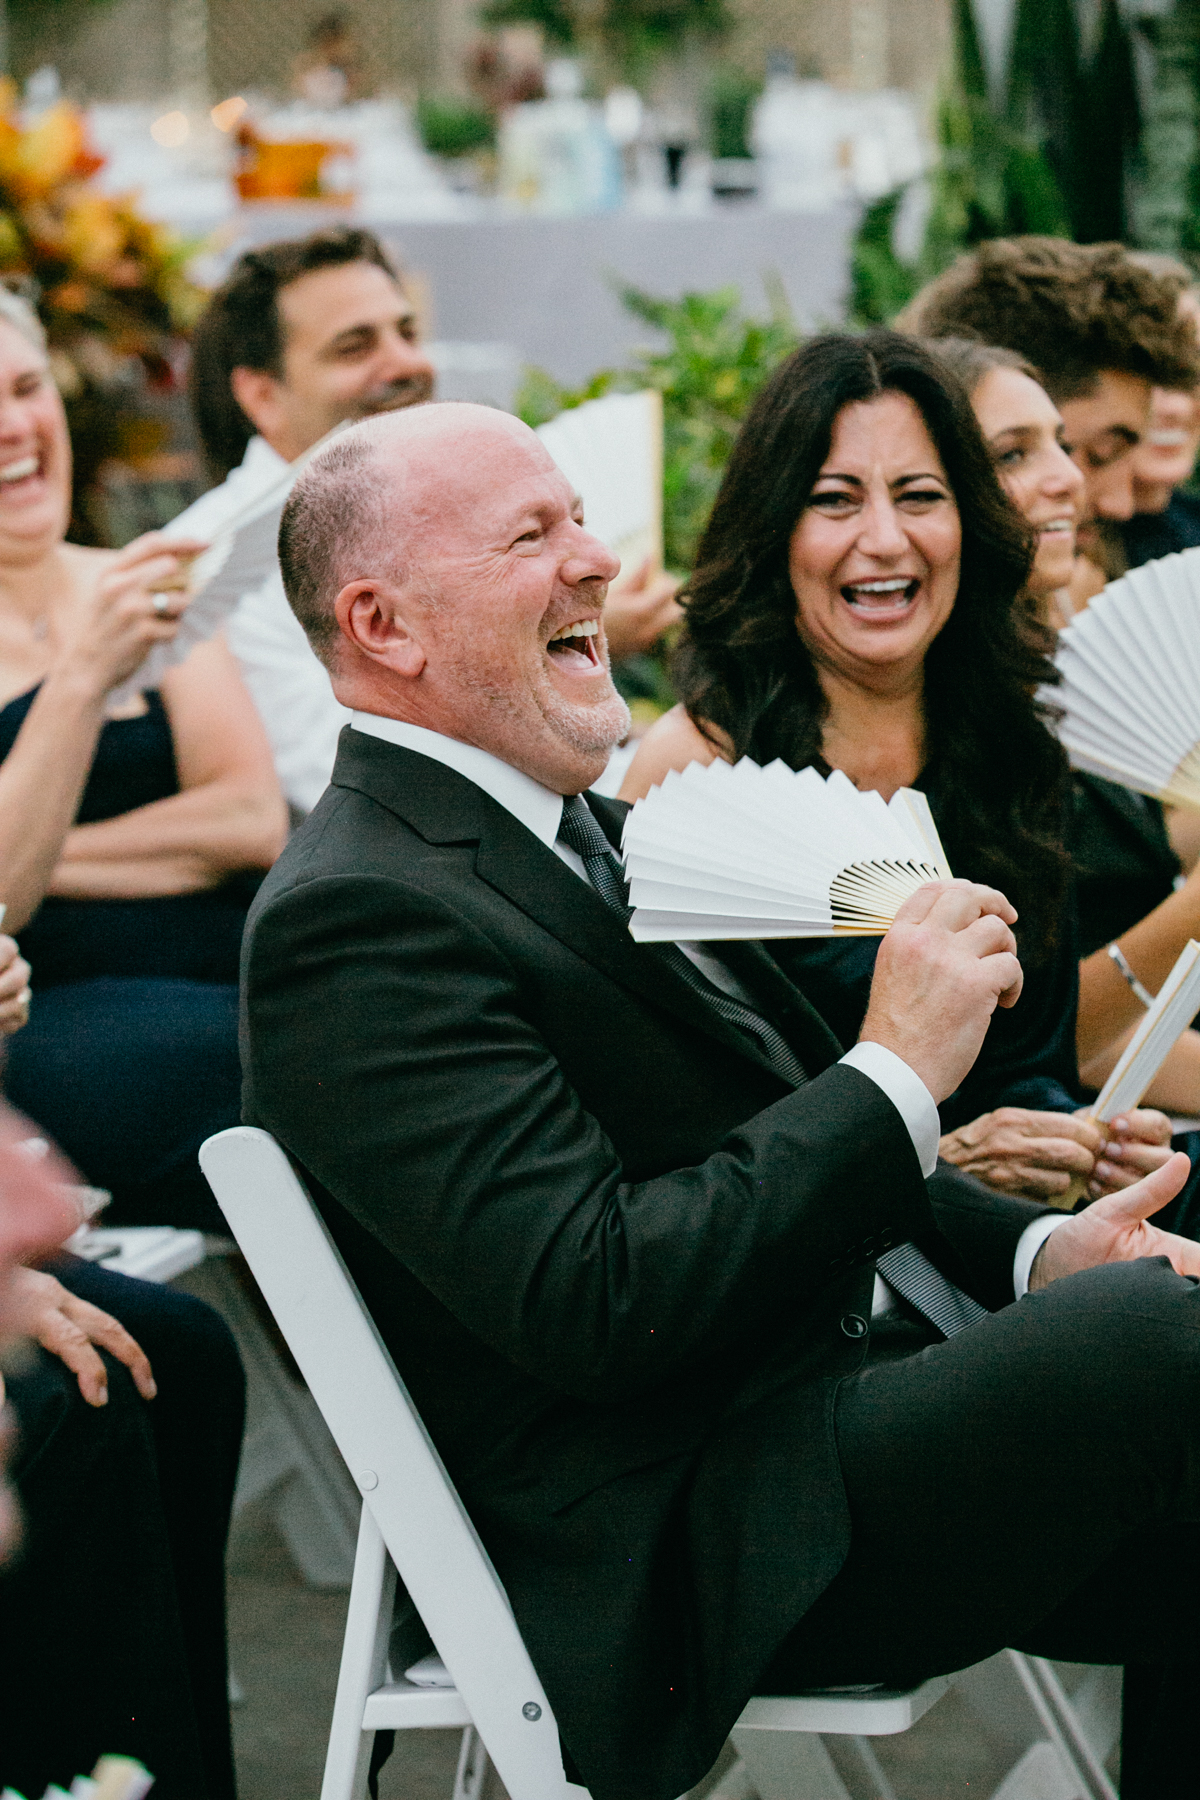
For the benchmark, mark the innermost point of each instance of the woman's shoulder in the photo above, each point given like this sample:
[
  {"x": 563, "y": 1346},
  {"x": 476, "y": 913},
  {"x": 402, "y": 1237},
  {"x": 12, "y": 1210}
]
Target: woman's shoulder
[{"x": 672, "y": 743}]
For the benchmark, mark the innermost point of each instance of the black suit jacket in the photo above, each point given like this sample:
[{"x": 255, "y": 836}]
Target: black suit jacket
[{"x": 620, "y": 1265}]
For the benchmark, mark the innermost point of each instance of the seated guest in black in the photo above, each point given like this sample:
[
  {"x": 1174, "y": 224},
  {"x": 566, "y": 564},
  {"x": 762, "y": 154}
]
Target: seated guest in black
[
  {"x": 898, "y": 689},
  {"x": 1127, "y": 868},
  {"x": 620, "y": 1229},
  {"x": 130, "y": 838},
  {"x": 128, "y": 1421},
  {"x": 1168, "y": 515}
]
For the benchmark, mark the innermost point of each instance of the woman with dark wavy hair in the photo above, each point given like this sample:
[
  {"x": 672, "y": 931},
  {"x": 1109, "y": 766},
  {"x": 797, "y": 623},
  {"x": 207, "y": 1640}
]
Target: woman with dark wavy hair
[{"x": 854, "y": 607}]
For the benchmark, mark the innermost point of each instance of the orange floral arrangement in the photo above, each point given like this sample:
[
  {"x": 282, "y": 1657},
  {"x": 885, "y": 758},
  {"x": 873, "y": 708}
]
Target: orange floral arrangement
[{"x": 109, "y": 285}]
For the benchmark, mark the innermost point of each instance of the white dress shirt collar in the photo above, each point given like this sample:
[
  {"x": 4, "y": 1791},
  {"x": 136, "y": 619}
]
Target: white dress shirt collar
[{"x": 538, "y": 808}]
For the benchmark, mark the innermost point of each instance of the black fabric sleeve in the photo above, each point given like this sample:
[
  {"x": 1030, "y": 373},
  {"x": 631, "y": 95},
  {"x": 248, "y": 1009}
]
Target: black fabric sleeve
[{"x": 389, "y": 1051}]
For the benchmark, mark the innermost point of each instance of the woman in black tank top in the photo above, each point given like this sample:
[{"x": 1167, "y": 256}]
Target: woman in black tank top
[{"x": 133, "y": 830}]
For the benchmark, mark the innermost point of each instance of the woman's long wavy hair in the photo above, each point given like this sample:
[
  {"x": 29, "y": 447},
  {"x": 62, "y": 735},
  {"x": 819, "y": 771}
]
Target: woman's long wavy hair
[{"x": 745, "y": 676}]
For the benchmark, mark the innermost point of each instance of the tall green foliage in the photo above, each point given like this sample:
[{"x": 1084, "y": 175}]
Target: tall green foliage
[
  {"x": 714, "y": 362},
  {"x": 1053, "y": 157},
  {"x": 1167, "y": 212}
]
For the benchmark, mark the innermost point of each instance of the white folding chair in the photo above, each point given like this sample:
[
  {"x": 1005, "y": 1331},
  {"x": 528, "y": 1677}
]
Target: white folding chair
[{"x": 414, "y": 1523}]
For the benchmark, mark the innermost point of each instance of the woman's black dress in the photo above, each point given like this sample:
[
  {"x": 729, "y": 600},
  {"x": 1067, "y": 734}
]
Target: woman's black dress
[
  {"x": 130, "y": 1058},
  {"x": 1028, "y": 1055}
]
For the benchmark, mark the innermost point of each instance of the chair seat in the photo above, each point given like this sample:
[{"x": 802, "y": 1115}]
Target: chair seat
[
  {"x": 401, "y": 1706},
  {"x": 880, "y": 1712}
]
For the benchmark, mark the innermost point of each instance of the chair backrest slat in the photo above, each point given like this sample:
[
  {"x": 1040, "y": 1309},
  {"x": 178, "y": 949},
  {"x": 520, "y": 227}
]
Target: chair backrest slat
[{"x": 364, "y": 1402}]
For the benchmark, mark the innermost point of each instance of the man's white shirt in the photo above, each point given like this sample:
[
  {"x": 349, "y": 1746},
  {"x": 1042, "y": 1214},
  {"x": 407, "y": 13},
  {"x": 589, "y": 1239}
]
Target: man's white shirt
[
  {"x": 289, "y": 686},
  {"x": 539, "y": 809}
]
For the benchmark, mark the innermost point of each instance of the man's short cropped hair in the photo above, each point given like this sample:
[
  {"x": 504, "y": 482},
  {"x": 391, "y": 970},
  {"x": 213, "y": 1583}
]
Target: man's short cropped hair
[
  {"x": 1073, "y": 310},
  {"x": 333, "y": 530},
  {"x": 241, "y": 328}
]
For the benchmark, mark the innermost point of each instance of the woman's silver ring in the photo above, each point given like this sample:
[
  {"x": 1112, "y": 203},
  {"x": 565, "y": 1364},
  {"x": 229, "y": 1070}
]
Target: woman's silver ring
[{"x": 161, "y": 604}]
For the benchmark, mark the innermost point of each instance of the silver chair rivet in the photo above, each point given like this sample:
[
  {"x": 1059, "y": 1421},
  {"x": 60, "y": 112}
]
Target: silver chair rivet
[{"x": 531, "y": 1710}]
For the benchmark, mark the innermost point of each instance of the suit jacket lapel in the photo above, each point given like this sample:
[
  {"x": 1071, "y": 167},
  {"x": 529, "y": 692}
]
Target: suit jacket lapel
[{"x": 445, "y": 808}]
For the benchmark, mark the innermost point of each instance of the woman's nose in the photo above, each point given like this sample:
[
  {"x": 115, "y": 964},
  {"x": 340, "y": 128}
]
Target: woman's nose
[
  {"x": 1062, "y": 476},
  {"x": 881, "y": 532}
]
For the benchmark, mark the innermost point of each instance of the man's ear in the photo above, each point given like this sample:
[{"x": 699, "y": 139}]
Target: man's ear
[
  {"x": 372, "y": 618},
  {"x": 257, "y": 393}
]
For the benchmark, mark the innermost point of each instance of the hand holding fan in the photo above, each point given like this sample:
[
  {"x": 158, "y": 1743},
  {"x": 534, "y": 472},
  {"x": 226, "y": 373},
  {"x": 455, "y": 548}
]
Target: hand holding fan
[
  {"x": 1130, "y": 692},
  {"x": 1175, "y": 1006},
  {"x": 239, "y": 558},
  {"x": 747, "y": 852}
]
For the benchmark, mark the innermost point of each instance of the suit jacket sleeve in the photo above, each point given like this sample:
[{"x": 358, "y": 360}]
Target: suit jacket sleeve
[{"x": 389, "y": 1050}]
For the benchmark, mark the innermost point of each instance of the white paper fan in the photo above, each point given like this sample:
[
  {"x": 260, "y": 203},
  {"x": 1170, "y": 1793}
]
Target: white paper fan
[
  {"x": 747, "y": 852},
  {"x": 1130, "y": 693},
  {"x": 239, "y": 558},
  {"x": 610, "y": 450}
]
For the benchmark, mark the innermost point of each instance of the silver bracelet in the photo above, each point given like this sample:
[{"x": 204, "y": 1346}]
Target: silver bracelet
[{"x": 1147, "y": 999}]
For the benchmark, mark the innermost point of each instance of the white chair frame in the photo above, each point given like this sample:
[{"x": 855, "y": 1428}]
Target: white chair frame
[{"x": 414, "y": 1524}]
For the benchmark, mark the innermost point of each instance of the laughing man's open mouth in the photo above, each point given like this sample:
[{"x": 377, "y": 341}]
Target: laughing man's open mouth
[{"x": 575, "y": 645}]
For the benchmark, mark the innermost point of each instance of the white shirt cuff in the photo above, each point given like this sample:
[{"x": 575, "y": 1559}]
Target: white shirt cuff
[
  {"x": 907, "y": 1093},
  {"x": 1028, "y": 1245}
]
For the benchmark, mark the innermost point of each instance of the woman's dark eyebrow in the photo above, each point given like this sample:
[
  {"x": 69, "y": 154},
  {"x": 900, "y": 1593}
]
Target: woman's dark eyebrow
[{"x": 900, "y": 480}]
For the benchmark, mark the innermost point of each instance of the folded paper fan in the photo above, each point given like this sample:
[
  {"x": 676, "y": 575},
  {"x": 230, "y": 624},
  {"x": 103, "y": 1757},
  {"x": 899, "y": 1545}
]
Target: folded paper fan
[
  {"x": 1130, "y": 691},
  {"x": 611, "y": 451},
  {"x": 748, "y": 852}
]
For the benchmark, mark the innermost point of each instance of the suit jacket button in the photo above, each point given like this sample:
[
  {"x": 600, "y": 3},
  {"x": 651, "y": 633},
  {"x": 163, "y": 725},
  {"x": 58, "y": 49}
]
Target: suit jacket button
[{"x": 854, "y": 1325}]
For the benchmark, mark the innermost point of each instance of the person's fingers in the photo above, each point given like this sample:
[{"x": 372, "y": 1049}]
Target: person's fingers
[
  {"x": 1054, "y": 1153},
  {"x": 1005, "y": 976},
  {"x": 1184, "y": 1254},
  {"x": 960, "y": 903},
  {"x": 917, "y": 908},
  {"x": 156, "y": 544},
  {"x": 15, "y": 975},
  {"x": 1145, "y": 1124},
  {"x": 58, "y": 1334},
  {"x": 1131, "y": 1205},
  {"x": 103, "y": 1329},
  {"x": 1109, "y": 1175},
  {"x": 987, "y": 935},
  {"x": 14, "y": 1013}
]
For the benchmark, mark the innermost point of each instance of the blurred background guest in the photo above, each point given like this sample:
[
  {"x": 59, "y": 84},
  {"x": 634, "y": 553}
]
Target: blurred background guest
[
  {"x": 1103, "y": 330},
  {"x": 331, "y": 69},
  {"x": 1129, "y": 854},
  {"x": 857, "y": 604},
  {"x": 1168, "y": 515},
  {"x": 131, "y": 838},
  {"x": 301, "y": 335}
]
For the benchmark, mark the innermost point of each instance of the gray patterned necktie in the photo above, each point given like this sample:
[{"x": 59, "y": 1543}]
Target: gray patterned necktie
[{"x": 905, "y": 1268}]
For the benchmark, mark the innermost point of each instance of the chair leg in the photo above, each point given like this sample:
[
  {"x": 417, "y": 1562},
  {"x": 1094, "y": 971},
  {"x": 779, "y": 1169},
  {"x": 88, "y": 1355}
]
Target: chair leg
[
  {"x": 472, "y": 1773},
  {"x": 1057, "y": 1717},
  {"x": 364, "y": 1664}
]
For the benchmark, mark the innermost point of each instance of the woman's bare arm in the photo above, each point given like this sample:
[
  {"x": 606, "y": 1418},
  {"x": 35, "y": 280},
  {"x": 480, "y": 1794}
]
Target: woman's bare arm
[
  {"x": 228, "y": 815},
  {"x": 672, "y": 743},
  {"x": 1107, "y": 1004},
  {"x": 1176, "y": 1087}
]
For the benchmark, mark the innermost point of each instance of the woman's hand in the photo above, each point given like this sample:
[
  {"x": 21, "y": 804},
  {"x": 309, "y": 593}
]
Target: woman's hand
[
  {"x": 1139, "y": 1142},
  {"x": 41, "y": 1308},
  {"x": 638, "y": 608},
  {"x": 1017, "y": 1151},
  {"x": 136, "y": 604},
  {"x": 14, "y": 988},
  {"x": 1038, "y": 1154}
]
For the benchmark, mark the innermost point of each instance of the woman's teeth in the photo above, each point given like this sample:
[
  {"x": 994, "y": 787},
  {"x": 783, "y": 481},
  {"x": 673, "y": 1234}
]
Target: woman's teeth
[
  {"x": 1057, "y": 525},
  {"x": 881, "y": 596},
  {"x": 19, "y": 471}
]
